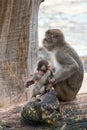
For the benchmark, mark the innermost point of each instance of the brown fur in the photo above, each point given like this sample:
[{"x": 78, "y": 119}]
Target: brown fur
[
  {"x": 41, "y": 79},
  {"x": 68, "y": 79}
]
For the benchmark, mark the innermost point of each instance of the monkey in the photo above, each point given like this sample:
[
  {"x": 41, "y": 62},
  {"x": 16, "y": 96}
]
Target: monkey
[
  {"x": 38, "y": 88},
  {"x": 69, "y": 71},
  {"x": 43, "y": 68}
]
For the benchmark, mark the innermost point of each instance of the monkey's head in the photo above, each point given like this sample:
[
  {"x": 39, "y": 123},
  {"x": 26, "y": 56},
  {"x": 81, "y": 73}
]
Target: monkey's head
[
  {"x": 53, "y": 38},
  {"x": 43, "y": 65}
]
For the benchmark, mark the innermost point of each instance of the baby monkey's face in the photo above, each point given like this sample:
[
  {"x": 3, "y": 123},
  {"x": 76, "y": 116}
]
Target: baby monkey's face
[
  {"x": 44, "y": 68},
  {"x": 43, "y": 65}
]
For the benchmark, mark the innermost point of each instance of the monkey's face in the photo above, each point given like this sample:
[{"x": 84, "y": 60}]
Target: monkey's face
[
  {"x": 43, "y": 65},
  {"x": 53, "y": 38},
  {"x": 43, "y": 68}
]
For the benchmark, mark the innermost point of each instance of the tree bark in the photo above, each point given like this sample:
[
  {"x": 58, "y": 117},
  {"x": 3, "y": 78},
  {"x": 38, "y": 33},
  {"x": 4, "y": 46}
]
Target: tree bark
[{"x": 18, "y": 46}]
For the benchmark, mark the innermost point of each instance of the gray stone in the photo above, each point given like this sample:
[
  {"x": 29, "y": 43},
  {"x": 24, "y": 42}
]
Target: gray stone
[{"x": 45, "y": 110}]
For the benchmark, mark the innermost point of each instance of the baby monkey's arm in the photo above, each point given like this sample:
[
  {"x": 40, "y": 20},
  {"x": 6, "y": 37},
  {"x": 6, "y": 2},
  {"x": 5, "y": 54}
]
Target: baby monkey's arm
[{"x": 44, "y": 78}]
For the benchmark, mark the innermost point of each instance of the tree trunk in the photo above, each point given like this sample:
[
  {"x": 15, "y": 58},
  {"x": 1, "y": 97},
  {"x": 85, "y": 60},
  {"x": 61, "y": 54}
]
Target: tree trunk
[{"x": 18, "y": 46}]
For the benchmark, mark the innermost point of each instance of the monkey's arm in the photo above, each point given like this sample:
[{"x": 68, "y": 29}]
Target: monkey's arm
[
  {"x": 44, "y": 78},
  {"x": 32, "y": 80},
  {"x": 68, "y": 66},
  {"x": 36, "y": 76}
]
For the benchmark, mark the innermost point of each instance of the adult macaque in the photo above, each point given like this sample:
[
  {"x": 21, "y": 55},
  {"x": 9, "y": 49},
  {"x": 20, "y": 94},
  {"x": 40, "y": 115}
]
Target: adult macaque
[{"x": 68, "y": 66}]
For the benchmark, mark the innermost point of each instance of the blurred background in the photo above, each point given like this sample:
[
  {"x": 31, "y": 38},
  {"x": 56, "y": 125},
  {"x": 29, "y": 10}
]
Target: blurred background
[{"x": 68, "y": 15}]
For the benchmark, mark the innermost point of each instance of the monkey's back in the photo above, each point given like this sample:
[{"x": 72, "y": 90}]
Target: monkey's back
[{"x": 68, "y": 88}]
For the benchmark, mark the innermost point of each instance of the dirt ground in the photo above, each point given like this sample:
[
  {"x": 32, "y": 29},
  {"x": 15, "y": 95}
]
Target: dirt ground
[
  {"x": 84, "y": 85},
  {"x": 10, "y": 118}
]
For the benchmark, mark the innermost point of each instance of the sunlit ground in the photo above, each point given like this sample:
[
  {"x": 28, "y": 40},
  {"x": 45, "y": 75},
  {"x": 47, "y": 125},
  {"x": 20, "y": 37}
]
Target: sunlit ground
[{"x": 84, "y": 85}]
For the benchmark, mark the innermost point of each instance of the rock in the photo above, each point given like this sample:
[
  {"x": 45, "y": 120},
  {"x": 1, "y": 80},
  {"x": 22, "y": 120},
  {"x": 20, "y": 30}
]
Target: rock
[
  {"x": 45, "y": 110},
  {"x": 0, "y": 122},
  {"x": 0, "y": 127}
]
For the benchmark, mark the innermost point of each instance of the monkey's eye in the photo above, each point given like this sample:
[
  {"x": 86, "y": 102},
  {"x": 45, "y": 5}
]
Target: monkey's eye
[{"x": 53, "y": 36}]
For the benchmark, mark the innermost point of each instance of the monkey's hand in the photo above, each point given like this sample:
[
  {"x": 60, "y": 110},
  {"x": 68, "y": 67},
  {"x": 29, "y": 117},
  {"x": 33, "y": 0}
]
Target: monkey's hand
[
  {"x": 52, "y": 80},
  {"x": 28, "y": 83},
  {"x": 48, "y": 87}
]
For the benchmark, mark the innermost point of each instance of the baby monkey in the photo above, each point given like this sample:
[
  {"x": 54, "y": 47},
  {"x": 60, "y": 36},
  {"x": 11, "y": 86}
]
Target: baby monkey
[{"x": 42, "y": 80}]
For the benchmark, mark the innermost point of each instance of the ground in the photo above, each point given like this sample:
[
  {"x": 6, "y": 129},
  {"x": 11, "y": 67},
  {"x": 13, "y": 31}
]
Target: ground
[{"x": 74, "y": 114}]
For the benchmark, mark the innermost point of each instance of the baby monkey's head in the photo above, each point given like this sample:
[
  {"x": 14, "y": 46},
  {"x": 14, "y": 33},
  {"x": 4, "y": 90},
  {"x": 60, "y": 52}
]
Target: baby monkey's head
[{"x": 43, "y": 65}]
